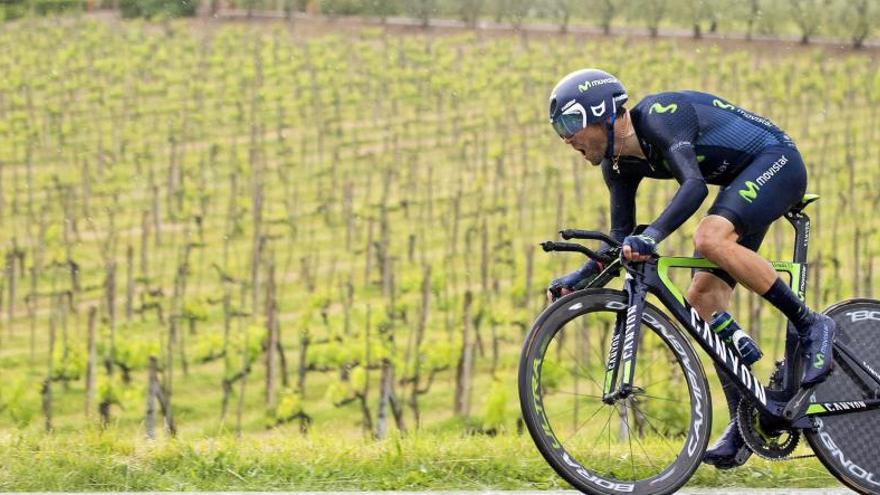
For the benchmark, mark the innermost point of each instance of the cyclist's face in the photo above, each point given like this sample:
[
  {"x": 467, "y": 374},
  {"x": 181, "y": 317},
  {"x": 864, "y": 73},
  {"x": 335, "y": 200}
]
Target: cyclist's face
[{"x": 591, "y": 142}]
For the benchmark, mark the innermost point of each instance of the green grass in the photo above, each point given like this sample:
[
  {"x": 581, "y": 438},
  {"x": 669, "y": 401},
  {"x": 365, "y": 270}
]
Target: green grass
[{"x": 283, "y": 460}]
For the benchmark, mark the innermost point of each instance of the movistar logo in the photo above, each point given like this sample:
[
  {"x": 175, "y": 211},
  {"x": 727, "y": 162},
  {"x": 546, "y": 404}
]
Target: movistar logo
[
  {"x": 820, "y": 360},
  {"x": 751, "y": 191},
  {"x": 656, "y": 107},
  {"x": 720, "y": 104},
  {"x": 592, "y": 84},
  {"x": 775, "y": 167}
]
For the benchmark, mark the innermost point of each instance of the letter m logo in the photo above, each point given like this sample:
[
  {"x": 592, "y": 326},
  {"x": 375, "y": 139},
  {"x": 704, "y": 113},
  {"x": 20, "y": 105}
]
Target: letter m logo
[
  {"x": 656, "y": 107},
  {"x": 720, "y": 104},
  {"x": 750, "y": 192}
]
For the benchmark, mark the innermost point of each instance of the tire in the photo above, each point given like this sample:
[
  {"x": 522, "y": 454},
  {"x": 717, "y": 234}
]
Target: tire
[
  {"x": 848, "y": 444},
  {"x": 665, "y": 444}
]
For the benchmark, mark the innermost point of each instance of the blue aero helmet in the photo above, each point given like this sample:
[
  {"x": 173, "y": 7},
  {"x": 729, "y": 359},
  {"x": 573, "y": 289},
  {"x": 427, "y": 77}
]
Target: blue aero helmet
[{"x": 584, "y": 97}]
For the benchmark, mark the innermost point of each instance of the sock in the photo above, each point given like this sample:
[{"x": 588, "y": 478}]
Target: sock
[{"x": 781, "y": 296}]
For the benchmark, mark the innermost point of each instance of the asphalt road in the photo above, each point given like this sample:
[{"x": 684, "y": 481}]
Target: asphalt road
[{"x": 689, "y": 491}]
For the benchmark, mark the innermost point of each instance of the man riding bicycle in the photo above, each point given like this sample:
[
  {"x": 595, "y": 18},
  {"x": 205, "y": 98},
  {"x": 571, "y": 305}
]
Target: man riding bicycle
[{"x": 697, "y": 139}]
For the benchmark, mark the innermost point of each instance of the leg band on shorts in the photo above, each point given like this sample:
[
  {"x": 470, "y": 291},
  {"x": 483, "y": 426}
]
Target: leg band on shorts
[
  {"x": 718, "y": 272},
  {"x": 731, "y": 215}
]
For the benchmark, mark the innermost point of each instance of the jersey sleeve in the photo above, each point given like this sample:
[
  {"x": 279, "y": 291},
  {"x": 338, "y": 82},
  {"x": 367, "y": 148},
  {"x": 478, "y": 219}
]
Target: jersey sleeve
[
  {"x": 672, "y": 127},
  {"x": 623, "y": 201}
]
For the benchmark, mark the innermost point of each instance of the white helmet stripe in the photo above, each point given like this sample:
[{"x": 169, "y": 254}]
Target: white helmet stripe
[
  {"x": 567, "y": 105},
  {"x": 574, "y": 108}
]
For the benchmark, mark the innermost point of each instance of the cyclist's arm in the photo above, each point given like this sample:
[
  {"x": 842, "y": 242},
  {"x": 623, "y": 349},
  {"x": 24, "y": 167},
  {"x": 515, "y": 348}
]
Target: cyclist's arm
[
  {"x": 674, "y": 133},
  {"x": 622, "y": 191}
]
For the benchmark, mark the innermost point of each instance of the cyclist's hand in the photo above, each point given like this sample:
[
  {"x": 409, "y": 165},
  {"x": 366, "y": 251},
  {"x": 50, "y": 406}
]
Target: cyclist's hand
[
  {"x": 639, "y": 247},
  {"x": 575, "y": 280},
  {"x": 557, "y": 292}
]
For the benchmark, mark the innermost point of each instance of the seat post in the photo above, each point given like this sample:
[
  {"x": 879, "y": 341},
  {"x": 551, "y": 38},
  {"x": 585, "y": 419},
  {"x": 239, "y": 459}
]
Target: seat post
[{"x": 801, "y": 223}]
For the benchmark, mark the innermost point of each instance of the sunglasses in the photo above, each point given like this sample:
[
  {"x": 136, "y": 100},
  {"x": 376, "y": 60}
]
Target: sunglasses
[
  {"x": 568, "y": 125},
  {"x": 570, "y": 122}
]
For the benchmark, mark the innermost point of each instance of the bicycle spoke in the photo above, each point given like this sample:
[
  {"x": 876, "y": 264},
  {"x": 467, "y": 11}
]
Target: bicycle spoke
[
  {"x": 596, "y": 438},
  {"x": 661, "y": 435},
  {"x": 584, "y": 423},
  {"x": 608, "y": 423},
  {"x": 587, "y": 376},
  {"x": 638, "y": 441},
  {"x": 660, "y": 398},
  {"x": 629, "y": 437},
  {"x": 658, "y": 381},
  {"x": 599, "y": 397},
  {"x": 578, "y": 370}
]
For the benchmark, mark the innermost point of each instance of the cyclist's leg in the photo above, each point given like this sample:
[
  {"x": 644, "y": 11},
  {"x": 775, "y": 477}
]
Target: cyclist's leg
[
  {"x": 763, "y": 192},
  {"x": 707, "y": 293},
  {"x": 710, "y": 291}
]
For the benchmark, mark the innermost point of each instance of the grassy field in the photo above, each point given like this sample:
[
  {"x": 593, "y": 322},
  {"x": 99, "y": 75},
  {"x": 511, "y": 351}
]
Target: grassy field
[
  {"x": 248, "y": 178},
  {"x": 429, "y": 460}
]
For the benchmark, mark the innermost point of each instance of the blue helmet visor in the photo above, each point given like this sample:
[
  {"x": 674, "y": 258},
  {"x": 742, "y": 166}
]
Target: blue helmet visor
[{"x": 567, "y": 125}]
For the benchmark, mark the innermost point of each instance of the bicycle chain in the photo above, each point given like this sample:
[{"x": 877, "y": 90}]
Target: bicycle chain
[
  {"x": 775, "y": 383},
  {"x": 760, "y": 442}
]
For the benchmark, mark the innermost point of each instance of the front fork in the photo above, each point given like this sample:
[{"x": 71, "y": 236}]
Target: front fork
[{"x": 620, "y": 369}]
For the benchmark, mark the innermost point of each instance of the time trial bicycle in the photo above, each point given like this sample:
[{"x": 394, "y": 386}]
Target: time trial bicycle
[{"x": 617, "y": 401}]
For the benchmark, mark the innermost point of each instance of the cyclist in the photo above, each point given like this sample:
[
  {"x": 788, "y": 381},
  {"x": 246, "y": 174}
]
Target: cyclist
[{"x": 697, "y": 139}]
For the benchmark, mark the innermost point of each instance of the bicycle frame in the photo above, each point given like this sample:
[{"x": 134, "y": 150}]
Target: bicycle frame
[{"x": 788, "y": 404}]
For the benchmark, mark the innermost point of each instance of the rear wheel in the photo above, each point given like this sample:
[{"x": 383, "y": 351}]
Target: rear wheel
[
  {"x": 848, "y": 444},
  {"x": 648, "y": 443}
]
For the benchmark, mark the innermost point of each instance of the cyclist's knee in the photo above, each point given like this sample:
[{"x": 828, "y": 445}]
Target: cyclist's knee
[{"x": 713, "y": 233}]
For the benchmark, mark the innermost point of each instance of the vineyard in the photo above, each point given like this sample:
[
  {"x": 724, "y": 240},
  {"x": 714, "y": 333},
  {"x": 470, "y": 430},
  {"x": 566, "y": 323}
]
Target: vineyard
[{"x": 238, "y": 228}]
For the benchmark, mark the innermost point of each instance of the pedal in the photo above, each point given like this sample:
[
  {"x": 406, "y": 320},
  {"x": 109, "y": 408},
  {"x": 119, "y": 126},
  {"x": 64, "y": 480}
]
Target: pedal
[{"x": 742, "y": 455}]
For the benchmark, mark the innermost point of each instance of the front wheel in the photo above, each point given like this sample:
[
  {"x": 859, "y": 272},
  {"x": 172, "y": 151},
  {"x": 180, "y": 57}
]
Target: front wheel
[{"x": 648, "y": 443}]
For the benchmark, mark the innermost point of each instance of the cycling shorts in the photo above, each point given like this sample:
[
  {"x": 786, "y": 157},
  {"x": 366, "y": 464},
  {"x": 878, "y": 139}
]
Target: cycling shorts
[{"x": 765, "y": 190}]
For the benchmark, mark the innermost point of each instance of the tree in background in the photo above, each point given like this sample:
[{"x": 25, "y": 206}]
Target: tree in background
[
  {"x": 422, "y": 10},
  {"x": 808, "y": 15},
  {"x": 500, "y": 8},
  {"x": 604, "y": 11},
  {"x": 344, "y": 7},
  {"x": 13, "y": 9},
  {"x": 652, "y": 12},
  {"x": 563, "y": 9},
  {"x": 698, "y": 11},
  {"x": 857, "y": 18},
  {"x": 517, "y": 10},
  {"x": 385, "y": 8},
  {"x": 752, "y": 16},
  {"x": 470, "y": 11},
  {"x": 161, "y": 8}
]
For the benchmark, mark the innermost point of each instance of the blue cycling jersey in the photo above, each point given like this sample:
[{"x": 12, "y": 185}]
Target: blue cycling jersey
[{"x": 698, "y": 139}]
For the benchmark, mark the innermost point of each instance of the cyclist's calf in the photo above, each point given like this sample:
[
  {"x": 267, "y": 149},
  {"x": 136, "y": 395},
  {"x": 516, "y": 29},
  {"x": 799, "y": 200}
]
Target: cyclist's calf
[{"x": 708, "y": 293}]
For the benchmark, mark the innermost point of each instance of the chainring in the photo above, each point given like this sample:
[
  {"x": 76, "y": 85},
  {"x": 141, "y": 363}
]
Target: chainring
[{"x": 775, "y": 444}]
